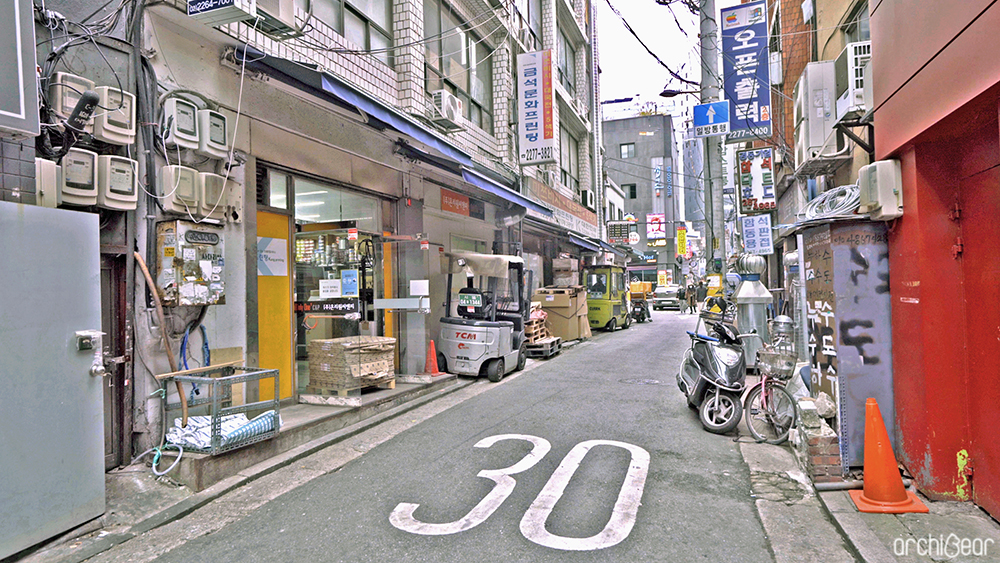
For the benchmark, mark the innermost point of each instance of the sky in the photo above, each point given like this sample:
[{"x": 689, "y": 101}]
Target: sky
[{"x": 626, "y": 68}]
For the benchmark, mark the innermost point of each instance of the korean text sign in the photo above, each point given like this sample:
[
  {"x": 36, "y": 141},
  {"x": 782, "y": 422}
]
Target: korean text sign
[
  {"x": 756, "y": 176},
  {"x": 535, "y": 127},
  {"x": 757, "y": 237},
  {"x": 745, "y": 66}
]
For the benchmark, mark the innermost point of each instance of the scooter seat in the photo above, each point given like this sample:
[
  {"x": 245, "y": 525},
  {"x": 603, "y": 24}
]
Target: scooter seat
[{"x": 702, "y": 336}]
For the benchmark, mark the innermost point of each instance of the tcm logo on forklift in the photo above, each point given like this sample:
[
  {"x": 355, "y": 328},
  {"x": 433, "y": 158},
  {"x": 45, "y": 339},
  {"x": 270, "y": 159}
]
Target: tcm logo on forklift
[{"x": 465, "y": 335}]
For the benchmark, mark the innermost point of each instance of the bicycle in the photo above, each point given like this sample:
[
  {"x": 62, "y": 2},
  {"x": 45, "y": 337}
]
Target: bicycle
[{"x": 769, "y": 409}]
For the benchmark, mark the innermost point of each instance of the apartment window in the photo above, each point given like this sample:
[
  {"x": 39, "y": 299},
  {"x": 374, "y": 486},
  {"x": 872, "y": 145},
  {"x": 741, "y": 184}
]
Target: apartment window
[
  {"x": 458, "y": 61},
  {"x": 621, "y": 215},
  {"x": 629, "y": 190},
  {"x": 528, "y": 19},
  {"x": 627, "y": 150},
  {"x": 569, "y": 158},
  {"x": 566, "y": 64},
  {"x": 611, "y": 211},
  {"x": 366, "y": 23},
  {"x": 857, "y": 25}
]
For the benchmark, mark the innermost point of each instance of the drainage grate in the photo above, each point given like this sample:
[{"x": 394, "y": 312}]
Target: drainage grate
[{"x": 640, "y": 381}]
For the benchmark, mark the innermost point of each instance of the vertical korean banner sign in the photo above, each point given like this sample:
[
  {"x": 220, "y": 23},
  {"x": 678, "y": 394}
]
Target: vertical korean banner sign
[
  {"x": 745, "y": 67},
  {"x": 536, "y": 136}
]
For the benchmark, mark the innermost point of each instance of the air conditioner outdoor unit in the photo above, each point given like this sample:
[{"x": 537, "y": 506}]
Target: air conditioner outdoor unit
[
  {"x": 814, "y": 111},
  {"x": 850, "y": 71},
  {"x": 278, "y": 19},
  {"x": 447, "y": 110},
  {"x": 588, "y": 199},
  {"x": 869, "y": 93},
  {"x": 777, "y": 76},
  {"x": 881, "y": 185}
]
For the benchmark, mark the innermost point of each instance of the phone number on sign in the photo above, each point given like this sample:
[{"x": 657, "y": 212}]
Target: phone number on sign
[
  {"x": 751, "y": 204},
  {"x": 537, "y": 154}
]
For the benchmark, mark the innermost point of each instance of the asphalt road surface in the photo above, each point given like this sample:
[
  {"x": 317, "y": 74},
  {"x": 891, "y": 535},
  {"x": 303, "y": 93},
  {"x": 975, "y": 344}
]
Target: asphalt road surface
[{"x": 588, "y": 456}]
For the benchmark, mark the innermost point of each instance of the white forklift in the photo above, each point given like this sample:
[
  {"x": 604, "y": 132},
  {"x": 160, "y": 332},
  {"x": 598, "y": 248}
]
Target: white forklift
[{"x": 483, "y": 332}]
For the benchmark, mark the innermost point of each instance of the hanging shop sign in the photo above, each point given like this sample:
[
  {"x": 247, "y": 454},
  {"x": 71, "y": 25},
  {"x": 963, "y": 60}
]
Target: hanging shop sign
[
  {"x": 656, "y": 164},
  {"x": 536, "y": 126},
  {"x": 619, "y": 231},
  {"x": 648, "y": 257},
  {"x": 681, "y": 239},
  {"x": 757, "y": 236},
  {"x": 756, "y": 180},
  {"x": 746, "y": 68},
  {"x": 656, "y": 228}
]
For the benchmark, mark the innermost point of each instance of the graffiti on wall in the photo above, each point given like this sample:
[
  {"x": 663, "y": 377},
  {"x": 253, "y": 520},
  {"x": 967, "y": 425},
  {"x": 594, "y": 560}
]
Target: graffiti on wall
[{"x": 821, "y": 303}]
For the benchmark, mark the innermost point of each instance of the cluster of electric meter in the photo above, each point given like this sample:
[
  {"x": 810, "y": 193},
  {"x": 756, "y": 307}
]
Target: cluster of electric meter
[
  {"x": 188, "y": 191},
  {"x": 114, "y": 120},
  {"x": 202, "y": 130},
  {"x": 86, "y": 178}
]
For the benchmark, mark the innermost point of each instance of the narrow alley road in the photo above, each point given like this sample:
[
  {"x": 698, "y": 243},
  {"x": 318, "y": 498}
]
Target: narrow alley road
[{"x": 681, "y": 494}]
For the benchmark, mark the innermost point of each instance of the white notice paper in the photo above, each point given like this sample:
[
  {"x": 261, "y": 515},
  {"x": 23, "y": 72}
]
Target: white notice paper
[{"x": 329, "y": 289}]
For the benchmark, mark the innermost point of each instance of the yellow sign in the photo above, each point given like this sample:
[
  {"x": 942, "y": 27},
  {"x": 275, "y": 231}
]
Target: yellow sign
[
  {"x": 661, "y": 278},
  {"x": 682, "y": 240}
]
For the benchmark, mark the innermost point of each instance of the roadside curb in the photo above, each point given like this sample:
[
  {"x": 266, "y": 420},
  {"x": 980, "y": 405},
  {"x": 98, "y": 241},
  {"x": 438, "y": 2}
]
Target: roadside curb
[{"x": 202, "y": 498}]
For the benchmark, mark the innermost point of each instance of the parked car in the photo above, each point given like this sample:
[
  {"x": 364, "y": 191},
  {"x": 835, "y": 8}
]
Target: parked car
[{"x": 665, "y": 297}]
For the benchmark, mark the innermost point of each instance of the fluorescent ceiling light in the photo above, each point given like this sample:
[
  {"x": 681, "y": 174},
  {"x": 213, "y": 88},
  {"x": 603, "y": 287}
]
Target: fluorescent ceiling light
[
  {"x": 313, "y": 193},
  {"x": 310, "y": 204},
  {"x": 307, "y": 216}
]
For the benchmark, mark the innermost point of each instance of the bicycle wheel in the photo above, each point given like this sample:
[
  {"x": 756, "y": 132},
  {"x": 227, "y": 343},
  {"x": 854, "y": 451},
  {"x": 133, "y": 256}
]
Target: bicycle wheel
[{"x": 770, "y": 413}]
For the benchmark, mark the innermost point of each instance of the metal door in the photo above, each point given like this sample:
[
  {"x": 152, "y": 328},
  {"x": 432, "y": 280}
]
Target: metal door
[
  {"x": 980, "y": 207},
  {"x": 116, "y": 450},
  {"x": 52, "y": 437}
]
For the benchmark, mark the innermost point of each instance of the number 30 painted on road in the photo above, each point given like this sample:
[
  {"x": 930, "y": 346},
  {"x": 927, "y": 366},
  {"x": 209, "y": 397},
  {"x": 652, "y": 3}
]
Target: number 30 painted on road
[{"x": 533, "y": 523}]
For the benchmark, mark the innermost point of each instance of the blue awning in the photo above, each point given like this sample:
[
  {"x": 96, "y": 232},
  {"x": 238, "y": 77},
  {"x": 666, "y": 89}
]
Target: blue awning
[
  {"x": 584, "y": 243},
  {"x": 609, "y": 248},
  {"x": 501, "y": 191},
  {"x": 324, "y": 84}
]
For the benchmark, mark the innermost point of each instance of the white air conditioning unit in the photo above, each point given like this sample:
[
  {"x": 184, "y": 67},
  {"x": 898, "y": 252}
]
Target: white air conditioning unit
[
  {"x": 278, "y": 19},
  {"x": 447, "y": 110},
  {"x": 777, "y": 76},
  {"x": 881, "y": 185},
  {"x": 869, "y": 93},
  {"x": 814, "y": 111},
  {"x": 588, "y": 199},
  {"x": 850, "y": 72}
]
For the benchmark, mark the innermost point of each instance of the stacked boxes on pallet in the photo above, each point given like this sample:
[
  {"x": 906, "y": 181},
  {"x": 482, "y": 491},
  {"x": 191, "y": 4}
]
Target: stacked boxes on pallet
[
  {"x": 565, "y": 271},
  {"x": 566, "y": 308},
  {"x": 352, "y": 362}
]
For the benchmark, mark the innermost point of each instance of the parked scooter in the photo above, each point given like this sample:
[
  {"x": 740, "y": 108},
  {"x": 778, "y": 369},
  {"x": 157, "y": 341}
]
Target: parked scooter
[
  {"x": 713, "y": 370},
  {"x": 640, "y": 309}
]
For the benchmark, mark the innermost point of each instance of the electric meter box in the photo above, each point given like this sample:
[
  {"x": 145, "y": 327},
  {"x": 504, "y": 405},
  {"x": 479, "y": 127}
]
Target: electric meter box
[
  {"x": 47, "y": 192},
  {"x": 114, "y": 121},
  {"x": 179, "y": 189},
  {"x": 117, "y": 184},
  {"x": 213, "y": 136},
  {"x": 65, "y": 90},
  {"x": 213, "y": 196},
  {"x": 180, "y": 118},
  {"x": 190, "y": 265},
  {"x": 79, "y": 177}
]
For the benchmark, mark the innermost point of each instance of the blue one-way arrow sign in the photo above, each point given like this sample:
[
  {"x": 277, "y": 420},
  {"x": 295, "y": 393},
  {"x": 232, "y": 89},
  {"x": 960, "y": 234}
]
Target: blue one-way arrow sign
[{"x": 711, "y": 119}]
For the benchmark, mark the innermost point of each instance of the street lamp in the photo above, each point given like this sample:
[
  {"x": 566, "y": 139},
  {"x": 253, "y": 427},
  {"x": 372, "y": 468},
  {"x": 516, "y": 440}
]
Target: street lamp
[{"x": 670, "y": 93}]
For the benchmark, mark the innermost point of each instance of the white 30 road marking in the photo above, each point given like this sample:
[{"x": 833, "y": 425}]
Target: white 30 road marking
[
  {"x": 402, "y": 516},
  {"x": 619, "y": 526},
  {"x": 622, "y": 515}
]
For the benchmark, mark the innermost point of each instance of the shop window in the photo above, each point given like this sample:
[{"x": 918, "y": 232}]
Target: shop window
[
  {"x": 627, "y": 150},
  {"x": 316, "y": 202},
  {"x": 464, "y": 244},
  {"x": 459, "y": 61}
]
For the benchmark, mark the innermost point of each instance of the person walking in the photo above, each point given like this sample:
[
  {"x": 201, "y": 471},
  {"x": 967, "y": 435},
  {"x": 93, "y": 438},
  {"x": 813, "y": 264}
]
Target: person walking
[
  {"x": 701, "y": 293},
  {"x": 692, "y": 298}
]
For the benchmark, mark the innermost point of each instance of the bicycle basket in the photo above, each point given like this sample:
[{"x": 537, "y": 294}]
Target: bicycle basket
[{"x": 781, "y": 366}]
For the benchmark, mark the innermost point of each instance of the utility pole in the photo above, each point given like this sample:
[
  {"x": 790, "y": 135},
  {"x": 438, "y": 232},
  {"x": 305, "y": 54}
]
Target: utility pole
[{"x": 715, "y": 231}]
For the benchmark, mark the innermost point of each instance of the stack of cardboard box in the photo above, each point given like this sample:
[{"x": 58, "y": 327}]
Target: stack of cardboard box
[
  {"x": 565, "y": 271},
  {"x": 566, "y": 308}
]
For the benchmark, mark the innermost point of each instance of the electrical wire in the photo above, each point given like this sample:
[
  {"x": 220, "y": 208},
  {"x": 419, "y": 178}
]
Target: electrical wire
[
  {"x": 648, "y": 50},
  {"x": 839, "y": 202}
]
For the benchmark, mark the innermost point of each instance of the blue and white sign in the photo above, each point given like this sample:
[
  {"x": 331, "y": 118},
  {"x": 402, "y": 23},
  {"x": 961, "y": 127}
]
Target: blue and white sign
[
  {"x": 272, "y": 256},
  {"x": 745, "y": 66},
  {"x": 711, "y": 119},
  {"x": 349, "y": 283},
  {"x": 757, "y": 236}
]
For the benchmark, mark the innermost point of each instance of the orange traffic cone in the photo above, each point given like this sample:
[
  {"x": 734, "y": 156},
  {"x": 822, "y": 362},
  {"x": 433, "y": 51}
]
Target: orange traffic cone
[
  {"x": 431, "y": 365},
  {"x": 884, "y": 491}
]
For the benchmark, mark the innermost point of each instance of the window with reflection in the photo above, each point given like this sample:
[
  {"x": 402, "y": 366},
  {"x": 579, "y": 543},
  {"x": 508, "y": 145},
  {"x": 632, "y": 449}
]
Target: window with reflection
[{"x": 366, "y": 23}]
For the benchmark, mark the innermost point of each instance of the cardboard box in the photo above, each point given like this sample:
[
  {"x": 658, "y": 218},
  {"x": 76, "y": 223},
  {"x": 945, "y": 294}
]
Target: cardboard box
[
  {"x": 565, "y": 264},
  {"x": 566, "y": 308},
  {"x": 561, "y": 297},
  {"x": 566, "y": 278}
]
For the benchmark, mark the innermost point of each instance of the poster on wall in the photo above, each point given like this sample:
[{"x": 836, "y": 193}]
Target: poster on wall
[
  {"x": 272, "y": 256},
  {"x": 756, "y": 175},
  {"x": 536, "y": 139},
  {"x": 746, "y": 68},
  {"x": 349, "y": 283},
  {"x": 656, "y": 228}
]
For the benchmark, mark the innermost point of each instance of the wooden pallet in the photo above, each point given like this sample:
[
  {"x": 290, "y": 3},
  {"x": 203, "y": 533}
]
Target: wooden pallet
[
  {"x": 382, "y": 383},
  {"x": 545, "y": 348},
  {"x": 535, "y": 330}
]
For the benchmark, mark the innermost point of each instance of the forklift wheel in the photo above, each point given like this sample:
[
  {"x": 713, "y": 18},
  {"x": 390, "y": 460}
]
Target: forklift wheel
[
  {"x": 522, "y": 357},
  {"x": 442, "y": 363},
  {"x": 494, "y": 371},
  {"x": 612, "y": 325}
]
